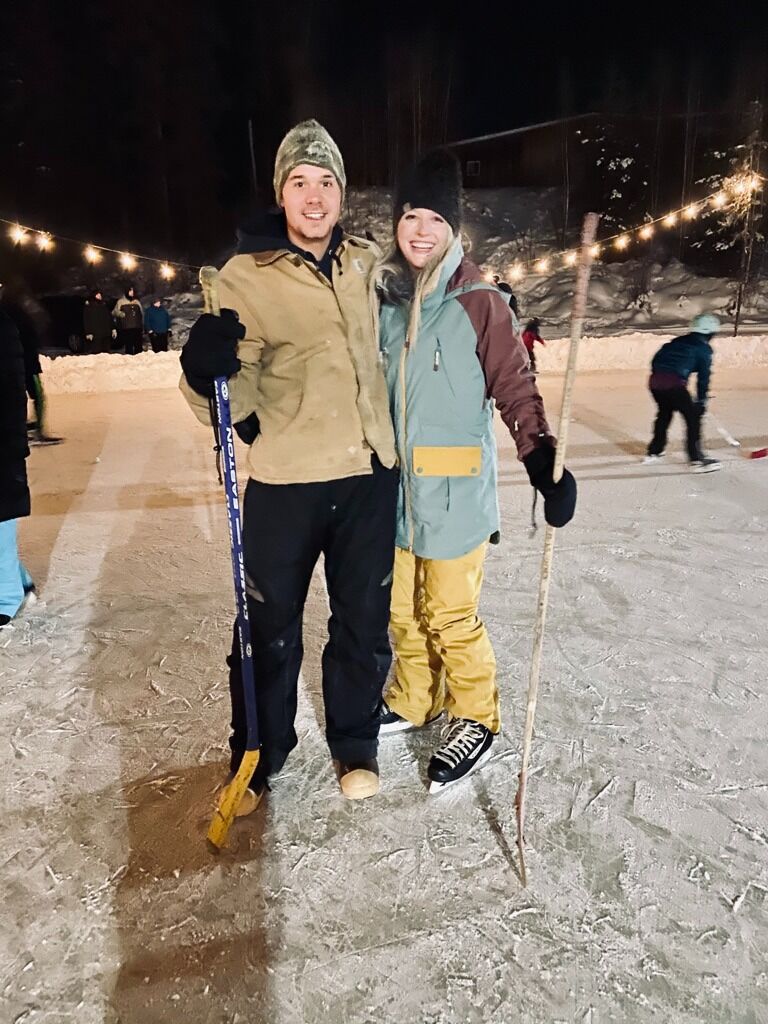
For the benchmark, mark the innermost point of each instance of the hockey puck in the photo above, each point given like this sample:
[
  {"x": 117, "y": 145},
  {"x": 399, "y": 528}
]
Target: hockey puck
[{"x": 759, "y": 453}]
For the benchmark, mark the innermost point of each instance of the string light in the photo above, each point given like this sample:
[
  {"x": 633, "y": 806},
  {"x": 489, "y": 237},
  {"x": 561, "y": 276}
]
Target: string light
[
  {"x": 167, "y": 272},
  {"x": 569, "y": 259},
  {"x": 646, "y": 231},
  {"x": 670, "y": 220},
  {"x": 18, "y": 234},
  {"x": 43, "y": 241},
  {"x": 91, "y": 254},
  {"x": 622, "y": 242},
  {"x": 719, "y": 200},
  {"x": 541, "y": 266},
  {"x": 595, "y": 251},
  {"x": 127, "y": 261},
  {"x": 516, "y": 272},
  {"x": 690, "y": 211}
]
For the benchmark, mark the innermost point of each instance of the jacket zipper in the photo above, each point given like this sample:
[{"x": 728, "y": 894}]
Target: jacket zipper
[{"x": 406, "y": 467}]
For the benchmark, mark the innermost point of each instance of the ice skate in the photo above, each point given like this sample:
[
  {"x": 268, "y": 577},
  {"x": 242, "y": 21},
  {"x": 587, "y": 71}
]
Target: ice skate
[
  {"x": 466, "y": 747},
  {"x": 706, "y": 465},
  {"x": 251, "y": 797},
  {"x": 391, "y": 722}
]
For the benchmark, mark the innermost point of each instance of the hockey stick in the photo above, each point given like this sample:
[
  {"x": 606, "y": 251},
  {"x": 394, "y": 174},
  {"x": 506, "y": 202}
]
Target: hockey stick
[
  {"x": 577, "y": 321},
  {"x": 233, "y": 793},
  {"x": 728, "y": 438}
]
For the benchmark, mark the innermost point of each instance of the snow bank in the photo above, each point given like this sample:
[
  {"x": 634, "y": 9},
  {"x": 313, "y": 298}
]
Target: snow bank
[
  {"x": 635, "y": 351},
  {"x": 112, "y": 372}
]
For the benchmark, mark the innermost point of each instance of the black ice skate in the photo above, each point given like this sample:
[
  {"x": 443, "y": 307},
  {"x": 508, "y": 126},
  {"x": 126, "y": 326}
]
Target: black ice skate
[
  {"x": 466, "y": 747},
  {"x": 705, "y": 465},
  {"x": 390, "y": 721}
]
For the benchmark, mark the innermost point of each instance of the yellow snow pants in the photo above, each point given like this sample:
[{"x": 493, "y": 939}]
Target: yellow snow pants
[{"x": 443, "y": 656}]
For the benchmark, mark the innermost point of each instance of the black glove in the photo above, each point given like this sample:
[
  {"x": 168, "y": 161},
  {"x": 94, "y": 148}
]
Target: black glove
[
  {"x": 560, "y": 497},
  {"x": 211, "y": 350},
  {"x": 248, "y": 429}
]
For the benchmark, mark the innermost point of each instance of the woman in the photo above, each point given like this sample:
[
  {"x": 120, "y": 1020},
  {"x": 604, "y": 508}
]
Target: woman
[
  {"x": 450, "y": 352},
  {"x": 97, "y": 324},
  {"x": 129, "y": 317}
]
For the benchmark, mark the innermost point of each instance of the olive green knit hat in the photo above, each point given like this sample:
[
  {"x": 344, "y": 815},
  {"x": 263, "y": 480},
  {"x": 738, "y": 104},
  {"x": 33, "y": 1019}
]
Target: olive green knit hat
[{"x": 307, "y": 143}]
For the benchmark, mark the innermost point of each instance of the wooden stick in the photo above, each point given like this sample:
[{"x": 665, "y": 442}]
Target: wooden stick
[{"x": 588, "y": 233}]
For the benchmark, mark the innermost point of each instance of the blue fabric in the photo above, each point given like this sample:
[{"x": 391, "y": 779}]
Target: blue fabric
[
  {"x": 157, "y": 319},
  {"x": 683, "y": 356},
  {"x": 14, "y": 578},
  {"x": 437, "y": 393}
]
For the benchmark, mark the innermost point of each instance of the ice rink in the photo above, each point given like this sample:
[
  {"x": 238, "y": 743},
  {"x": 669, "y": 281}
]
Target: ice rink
[{"x": 648, "y": 802}]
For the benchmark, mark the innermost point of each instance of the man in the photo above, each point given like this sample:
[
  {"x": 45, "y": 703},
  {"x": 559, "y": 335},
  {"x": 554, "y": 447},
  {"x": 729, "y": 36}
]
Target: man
[
  {"x": 157, "y": 324},
  {"x": 98, "y": 327},
  {"x": 307, "y": 390},
  {"x": 671, "y": 367}
]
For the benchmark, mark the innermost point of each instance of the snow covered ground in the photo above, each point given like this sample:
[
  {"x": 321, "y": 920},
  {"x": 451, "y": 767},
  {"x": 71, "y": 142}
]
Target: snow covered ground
[{"x": 648, "y": 833}]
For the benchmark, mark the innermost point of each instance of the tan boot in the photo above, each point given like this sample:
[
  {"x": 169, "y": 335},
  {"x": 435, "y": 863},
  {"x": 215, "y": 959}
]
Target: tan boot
[{"x": 359, "y": 779}]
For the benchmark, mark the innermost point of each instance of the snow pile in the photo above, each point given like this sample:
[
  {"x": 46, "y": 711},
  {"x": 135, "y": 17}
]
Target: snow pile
[
  {"x": 113, "y": 372},
  {"x": 635, "y": 351},
  {"x": 110, "y": 372}
]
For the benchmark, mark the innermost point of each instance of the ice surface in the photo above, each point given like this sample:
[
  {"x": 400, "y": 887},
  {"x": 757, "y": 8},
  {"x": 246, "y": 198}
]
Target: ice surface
[{"x": 648, "y": 829}]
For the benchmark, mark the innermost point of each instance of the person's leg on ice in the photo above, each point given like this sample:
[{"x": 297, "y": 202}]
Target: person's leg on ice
[
  {"x": 15, "y": 581},
  {"x": 665, "y": 407},
  {"x": 282, "y": 537},
  {"x": 359, "y": 550},
  {"x": 452, "y": 594},
  {"x": 417, "y": 694}
]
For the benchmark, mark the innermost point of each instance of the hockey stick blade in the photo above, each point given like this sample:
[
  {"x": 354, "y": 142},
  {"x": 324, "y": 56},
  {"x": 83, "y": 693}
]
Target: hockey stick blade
[{"x": 230, "y": 800}]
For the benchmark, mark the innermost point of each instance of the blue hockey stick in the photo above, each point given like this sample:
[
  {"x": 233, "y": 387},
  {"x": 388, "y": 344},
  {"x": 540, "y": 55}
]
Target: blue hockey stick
[{"x": 233, "y": 793}]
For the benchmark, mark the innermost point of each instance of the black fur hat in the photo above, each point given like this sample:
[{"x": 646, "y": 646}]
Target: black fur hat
[{"x": 433, "y": 183}]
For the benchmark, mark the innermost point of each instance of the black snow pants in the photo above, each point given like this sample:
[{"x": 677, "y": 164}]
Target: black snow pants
[
  {"x": 158, "y": 341},
  {"x": 286, "y": 528},
  {"x": 132, "y": 338},
  {"x": 670, "y": 401}
]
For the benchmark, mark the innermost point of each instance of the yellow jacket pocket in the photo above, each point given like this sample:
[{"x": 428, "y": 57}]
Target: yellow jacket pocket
[{"x": 448, "y": 461}]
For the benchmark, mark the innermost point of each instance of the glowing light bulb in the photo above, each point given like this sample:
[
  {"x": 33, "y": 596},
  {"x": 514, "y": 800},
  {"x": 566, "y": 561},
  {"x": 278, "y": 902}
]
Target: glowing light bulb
[
  {"x": 43, "y": 241},
  {"x": 622, "y": 242},
  {"x": 516, "y": 272},
  {"x": 646, "y": 231},
  {"x": 719, "y": 200},
  {"x": 690, "y": 211},
  {"x": 541, "y": 266},
  {"x": 166, "y": 271},
  {"x": 570, "y": 259},
  {"x": 670, "y": 220},
  {"x": 18, "y": 234},
  {"x": 127, "y": 262},
  {"x": 91, "y": 254},
  {"x": 595, "y": 251}
]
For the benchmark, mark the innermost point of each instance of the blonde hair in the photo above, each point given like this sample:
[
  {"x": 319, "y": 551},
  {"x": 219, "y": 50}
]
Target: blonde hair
[{"x": 392, "y": 280}]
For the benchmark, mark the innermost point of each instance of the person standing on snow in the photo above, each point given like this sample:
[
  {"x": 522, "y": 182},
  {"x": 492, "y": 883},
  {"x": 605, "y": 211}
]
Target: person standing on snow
[
  {"x": 450, "y": 353},
  {"x": 15, "y": 581},
  {"x": 671, "y": 367},
  {"x": 98, "y": 326},
  {"x": 157, "y": 323},
  {"x": 531, "y": 335},
  {"x": 129, "y": 317},
  {"x": 306, "y": 388}
]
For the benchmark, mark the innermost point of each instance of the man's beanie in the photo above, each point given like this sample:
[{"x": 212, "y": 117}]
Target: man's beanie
[
  {"x": 307, "y": 143},
  {"x": 433, "y": 183}
]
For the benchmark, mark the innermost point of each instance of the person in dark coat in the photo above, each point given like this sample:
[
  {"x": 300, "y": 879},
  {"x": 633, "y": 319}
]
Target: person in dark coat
[
  {"x": 531, "y": 335},
  {"x": 508, "y": 294},
  {"x": 16, "y": 309},
  {"x": 15, "y": 581},
  {"x": 98, "y": 328},
  {"x": 129, "y": 317},
  {"x": 157, "y": 324},
  {"x": 671, "y": 367}
]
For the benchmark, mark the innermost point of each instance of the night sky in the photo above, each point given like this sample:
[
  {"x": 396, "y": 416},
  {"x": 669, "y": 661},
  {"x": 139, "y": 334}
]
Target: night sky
[{"x": 129, "y": 122}]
